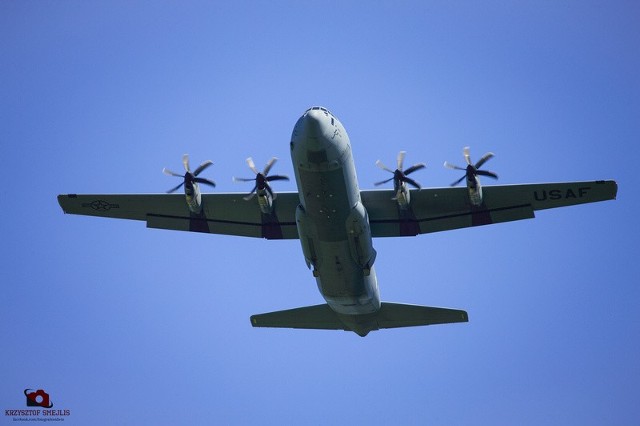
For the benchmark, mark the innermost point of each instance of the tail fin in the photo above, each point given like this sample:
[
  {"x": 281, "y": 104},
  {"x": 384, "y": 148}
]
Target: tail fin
[{"x": 390, "y": 315}]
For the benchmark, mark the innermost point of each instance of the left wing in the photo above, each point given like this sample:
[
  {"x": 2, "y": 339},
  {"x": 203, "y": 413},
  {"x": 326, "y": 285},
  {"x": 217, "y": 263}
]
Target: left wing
[
  {"x": 441, "y": 209},
  {"x": 227, "y": 214}
]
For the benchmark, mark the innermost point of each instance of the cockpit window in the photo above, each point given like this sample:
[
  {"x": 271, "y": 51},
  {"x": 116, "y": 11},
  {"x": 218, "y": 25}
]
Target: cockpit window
[{"x": 318, "y": 108}]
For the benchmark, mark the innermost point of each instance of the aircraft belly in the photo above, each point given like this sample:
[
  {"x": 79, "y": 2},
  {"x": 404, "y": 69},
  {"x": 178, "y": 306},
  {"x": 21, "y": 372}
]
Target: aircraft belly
[
  {"x": 342, "y": 283},
  {"x": 326, "y": 203},
  {"x": 338, "y": 275},
  {"x": 348, "y": 286}
]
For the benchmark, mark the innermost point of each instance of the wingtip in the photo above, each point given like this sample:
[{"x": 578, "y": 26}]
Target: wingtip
[{"x": 61, "y": 200}]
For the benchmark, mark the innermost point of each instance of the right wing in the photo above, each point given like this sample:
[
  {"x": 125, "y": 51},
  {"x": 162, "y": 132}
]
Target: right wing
[
  {"x": 442, "y": 209},
  {"x": 227, "y": 214}
]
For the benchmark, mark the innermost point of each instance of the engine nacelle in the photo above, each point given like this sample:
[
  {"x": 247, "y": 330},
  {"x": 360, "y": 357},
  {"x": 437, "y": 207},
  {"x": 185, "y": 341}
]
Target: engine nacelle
[
  {"x": 193, "y": 197},
  {"x": 265, "y": 201},
  {"x": 475, "y": 191},
  {"x": 471, "y": 174},
  {"x": 403, "y": 196},
  {"x": 359, "y": 234}
]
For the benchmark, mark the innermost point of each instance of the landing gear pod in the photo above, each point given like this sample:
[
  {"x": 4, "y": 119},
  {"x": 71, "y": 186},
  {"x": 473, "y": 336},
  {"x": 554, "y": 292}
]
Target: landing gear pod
[
  {"x": 359, "y": 234},
  {"x": 308, "y": 234}
]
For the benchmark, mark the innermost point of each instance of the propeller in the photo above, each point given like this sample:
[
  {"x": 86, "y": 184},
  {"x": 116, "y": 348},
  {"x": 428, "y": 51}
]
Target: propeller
[
  {"x": 399, "y": 175},
  {"x": 190, "y": 177},
  {"x": 262, "y": 179},
  {"x": 472, "y": 170}
]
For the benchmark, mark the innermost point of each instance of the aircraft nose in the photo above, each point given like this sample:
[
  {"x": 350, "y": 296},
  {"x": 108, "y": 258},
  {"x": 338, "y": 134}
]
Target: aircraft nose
[
  {"x": 312, "y": 123},
  {"x": 311, "y": 130},
  {"x": 316, "y": 140}
]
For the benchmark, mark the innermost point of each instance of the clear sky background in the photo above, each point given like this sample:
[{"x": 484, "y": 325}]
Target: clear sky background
[{"x": 127, "y": 325}]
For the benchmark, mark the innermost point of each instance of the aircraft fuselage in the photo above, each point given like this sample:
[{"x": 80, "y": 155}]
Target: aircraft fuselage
[{"x": 333, "y": 225}]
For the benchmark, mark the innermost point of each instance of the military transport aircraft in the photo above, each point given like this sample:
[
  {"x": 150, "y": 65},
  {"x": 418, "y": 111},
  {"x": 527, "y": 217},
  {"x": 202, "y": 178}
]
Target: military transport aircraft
[{"x": 335, "y": 221}]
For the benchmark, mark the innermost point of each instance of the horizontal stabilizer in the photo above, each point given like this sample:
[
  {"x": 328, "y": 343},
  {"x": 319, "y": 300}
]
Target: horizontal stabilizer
[
  {"x": 393, "y": 315},
  {"x": 390, "y": 315},
  {"x": 314, "y": 317}
]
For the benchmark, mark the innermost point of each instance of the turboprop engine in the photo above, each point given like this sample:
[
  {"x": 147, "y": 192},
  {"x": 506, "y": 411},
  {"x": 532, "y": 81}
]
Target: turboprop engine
[
  {"x": 472, "y": 171},
  {"x": 400, "y": 180},
  {"x": 262, "y": 188},
  {"x": 190, "y": 182}
]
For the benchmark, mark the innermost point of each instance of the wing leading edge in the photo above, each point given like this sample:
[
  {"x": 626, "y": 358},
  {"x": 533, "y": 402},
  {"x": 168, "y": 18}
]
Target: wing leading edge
[{"x": 441, "y": 209}]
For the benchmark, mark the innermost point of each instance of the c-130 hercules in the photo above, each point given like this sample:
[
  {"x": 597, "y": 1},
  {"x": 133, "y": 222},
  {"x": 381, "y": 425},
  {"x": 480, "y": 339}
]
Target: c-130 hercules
[{"x": 336, "y": 222}]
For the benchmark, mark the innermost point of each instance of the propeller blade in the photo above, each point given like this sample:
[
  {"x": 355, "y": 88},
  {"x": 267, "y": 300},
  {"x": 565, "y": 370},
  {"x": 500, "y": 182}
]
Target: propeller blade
[
  {"x": 170, "y": 173},
  {"x": 276, "y": 177},
  {"x": 383, "y": 182},
  {"x": 414, "y": 168},
  {"x": 251, "y": 194},
  {"x": 400, "y": 159},
  {"x": 202, "y": 166},
  {"x": 270, "y": 164},
  {"x": 185, "y": 162},
  {"x": 453, "y": 166},
  {"x": 467, "y": 154},
  {"x": 175, "y": 189},
  {"x": 383, "y": 167},
  {"x": 205, "y": 181},
  {"x": 399, "y": 176},
  {"x": 471, "y": 169},
  {"x": 412, "y": 182},
  {"x": 459, "y": 180},
  {"x": 261, "y": 180},
  {"x": 488, "y": 156},
  {"x": 486, "y": 173},
  {"x": 252, "y": 165}
]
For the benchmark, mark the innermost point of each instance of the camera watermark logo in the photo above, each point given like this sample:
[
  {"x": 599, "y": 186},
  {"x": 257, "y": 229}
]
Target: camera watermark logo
[
  {"x": 38, "y": 398},
  {"x": 39, "y": 407}
]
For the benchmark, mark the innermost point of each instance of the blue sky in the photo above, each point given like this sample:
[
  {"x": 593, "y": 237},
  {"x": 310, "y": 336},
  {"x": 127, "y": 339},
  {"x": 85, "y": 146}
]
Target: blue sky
[{"x": 127, "y": 325}]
